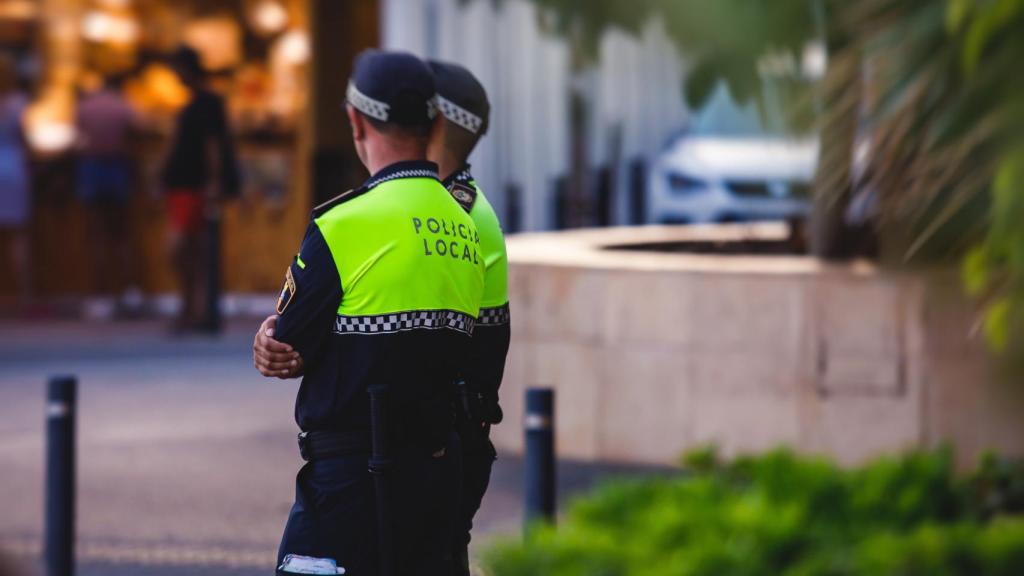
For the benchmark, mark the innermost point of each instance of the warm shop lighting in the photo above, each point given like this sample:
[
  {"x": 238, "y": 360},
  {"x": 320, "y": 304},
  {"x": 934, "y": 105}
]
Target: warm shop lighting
[
  {"x": 295, "y": 47},
  {"x": 17, "y": 10},
  {"x": 100, "y": 26},
  {"x": 114, "y": 4},
  {"x": 157, "y": 88},
  {"x": 269, "y": 17},
  {"x": 49, "y": 122},
  {"x": 49, "y": 136},
  {"x": 218, "y": 40}
]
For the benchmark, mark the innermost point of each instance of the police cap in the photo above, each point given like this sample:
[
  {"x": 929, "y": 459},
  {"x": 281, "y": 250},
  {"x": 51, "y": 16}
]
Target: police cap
[
  {"x": 462, "y": 98},
  {"x": 394, "y": 87}
]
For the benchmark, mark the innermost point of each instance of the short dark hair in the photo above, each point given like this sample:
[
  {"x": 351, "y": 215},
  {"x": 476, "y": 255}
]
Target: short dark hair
[
  {"x": 417, "y": 131},
  {"x": 460, "y": 141}
]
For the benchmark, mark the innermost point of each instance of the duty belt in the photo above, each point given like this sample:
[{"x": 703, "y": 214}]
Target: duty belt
[{"x": 318, "y": 445}]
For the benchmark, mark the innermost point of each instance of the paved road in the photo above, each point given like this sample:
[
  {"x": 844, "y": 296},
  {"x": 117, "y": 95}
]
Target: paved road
[{"x": 186, "y": 456}]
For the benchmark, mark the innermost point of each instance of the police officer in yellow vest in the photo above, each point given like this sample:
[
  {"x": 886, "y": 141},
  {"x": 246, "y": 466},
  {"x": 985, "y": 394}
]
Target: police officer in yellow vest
[
  {"x": 382, "y": 297},
  {"x": 464, "y": 104}
]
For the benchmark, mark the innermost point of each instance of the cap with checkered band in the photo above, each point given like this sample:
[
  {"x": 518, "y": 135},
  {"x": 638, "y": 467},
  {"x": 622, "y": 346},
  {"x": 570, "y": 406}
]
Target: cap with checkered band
[
  {"x": 394, "y": 87},
  {"x": 462, "y": 98}
]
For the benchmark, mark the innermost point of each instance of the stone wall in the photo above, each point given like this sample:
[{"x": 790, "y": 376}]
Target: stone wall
[{"x": 654, "y": 353}]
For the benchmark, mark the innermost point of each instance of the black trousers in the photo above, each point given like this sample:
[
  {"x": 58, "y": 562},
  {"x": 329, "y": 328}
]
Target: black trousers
[
  {"x": 334, "y": 515},
  {"x": 478, "y": 456}
]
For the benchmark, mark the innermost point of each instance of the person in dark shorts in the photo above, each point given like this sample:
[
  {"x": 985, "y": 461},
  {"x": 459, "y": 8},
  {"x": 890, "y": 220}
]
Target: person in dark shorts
[
  {"x": 106, "y": 122},
  {"x": 15, "y": 184},
  {"x": 200, "y": 167}
]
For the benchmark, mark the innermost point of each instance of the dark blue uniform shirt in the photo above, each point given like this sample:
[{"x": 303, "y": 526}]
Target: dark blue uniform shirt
[{"x": 416, "y": 365}]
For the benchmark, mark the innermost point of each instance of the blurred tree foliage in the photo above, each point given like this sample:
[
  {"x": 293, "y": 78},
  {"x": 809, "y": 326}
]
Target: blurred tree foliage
[
  {"x": 725, "y": 39},
  {"x": 920, "y": 116},
  {"x": 944, "y": 104},
  {"x": 783, "y": 514},
  {"x": 990, "y": 38}
]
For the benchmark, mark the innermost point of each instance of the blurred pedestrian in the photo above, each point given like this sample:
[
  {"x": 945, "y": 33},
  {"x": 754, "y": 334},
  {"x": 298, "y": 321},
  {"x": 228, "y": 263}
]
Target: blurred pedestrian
[
  {"x": 15, "y": 185},
  {"x": 199, "y": 170},
  {"x": 106, "y": 122}
]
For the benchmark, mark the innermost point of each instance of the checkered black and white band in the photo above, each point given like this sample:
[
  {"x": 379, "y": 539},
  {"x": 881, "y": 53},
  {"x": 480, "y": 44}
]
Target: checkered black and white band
[
  {"x": 370, "y": 106},
  {"x": 402, "y": 174},
  {"x": 432, "y": 106},
  {"x": 405, "y": 321},
  {"x": 497, "y": 316},
  {"x": 459, "y": 115},
  {"x": 462, "y": 176}
]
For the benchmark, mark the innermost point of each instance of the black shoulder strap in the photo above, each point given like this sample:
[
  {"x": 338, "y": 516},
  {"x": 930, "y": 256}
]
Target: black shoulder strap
[{"x": 337, "y": 201}]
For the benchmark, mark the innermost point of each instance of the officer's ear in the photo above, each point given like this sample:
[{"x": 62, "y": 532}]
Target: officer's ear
[
  {"x": 436, "y": 142},
  {"x": 358, "y": 123},
  {"x": 438, "y": 127}
]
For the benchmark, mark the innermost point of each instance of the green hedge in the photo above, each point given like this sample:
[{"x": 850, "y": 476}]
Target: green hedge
[{"x": 783, "y": 514}]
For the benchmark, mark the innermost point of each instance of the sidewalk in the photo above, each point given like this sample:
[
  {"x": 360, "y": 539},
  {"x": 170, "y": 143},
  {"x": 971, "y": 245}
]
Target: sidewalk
[{"x": 186, "y": 456}]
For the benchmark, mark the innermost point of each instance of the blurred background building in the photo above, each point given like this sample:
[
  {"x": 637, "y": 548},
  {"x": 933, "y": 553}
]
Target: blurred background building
[
  {"x": 880, "y": 312},
  {"x": 258, "y": 55},
  {"x": 577, "y": 138},
  {"x": 633, "y": 105}
]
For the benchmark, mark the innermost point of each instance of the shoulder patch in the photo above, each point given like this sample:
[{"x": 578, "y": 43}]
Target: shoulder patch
[
  {"x": 464, "y": 194},
  {"x": 337, "y": 201},
  {"x": 287, "y": 292}
]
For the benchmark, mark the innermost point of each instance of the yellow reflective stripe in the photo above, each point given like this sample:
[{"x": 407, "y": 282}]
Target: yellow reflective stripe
[{"x": 298, "y": 260}]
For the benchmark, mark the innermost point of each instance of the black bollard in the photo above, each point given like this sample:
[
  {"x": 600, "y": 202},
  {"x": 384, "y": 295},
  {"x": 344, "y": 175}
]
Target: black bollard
[
  {"x": 212, "y": 321},
  {"x": 539, "y": 424},
  {"x": 60, "y": 476}
]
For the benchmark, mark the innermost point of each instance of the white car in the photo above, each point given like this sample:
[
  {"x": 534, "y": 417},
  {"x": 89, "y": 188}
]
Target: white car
[{"x": 701, "y": 179}]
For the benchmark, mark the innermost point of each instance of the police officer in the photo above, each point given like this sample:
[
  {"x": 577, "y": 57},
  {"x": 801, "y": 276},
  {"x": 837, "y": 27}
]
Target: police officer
[
  {"x": 463, "y": 102},
  {"x": 382, "y": 296}
]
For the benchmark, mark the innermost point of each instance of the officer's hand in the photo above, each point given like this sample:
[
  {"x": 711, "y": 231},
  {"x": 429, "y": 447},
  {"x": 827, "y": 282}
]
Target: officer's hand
[{"x": 273, "y": 358}]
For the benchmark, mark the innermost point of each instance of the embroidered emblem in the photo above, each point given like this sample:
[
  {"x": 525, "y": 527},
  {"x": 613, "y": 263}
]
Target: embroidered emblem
[
  {"x": 287, "y": 292},
  {"x": 465, "y": 195}
]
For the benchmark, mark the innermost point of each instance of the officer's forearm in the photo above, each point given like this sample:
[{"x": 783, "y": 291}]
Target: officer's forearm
[{"x": 305, "y": 338}]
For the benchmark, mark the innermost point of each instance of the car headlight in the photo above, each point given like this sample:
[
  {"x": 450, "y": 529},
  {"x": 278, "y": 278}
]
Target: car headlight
[{"x": 684, "y": 184}]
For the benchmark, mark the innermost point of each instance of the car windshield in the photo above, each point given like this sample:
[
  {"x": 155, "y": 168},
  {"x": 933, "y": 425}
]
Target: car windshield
[{"x": 721, "y": 116}]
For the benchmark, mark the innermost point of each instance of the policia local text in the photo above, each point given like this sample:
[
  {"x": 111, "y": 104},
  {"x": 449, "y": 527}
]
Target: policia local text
[{"x": 444, "y": 246}]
